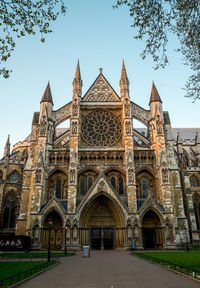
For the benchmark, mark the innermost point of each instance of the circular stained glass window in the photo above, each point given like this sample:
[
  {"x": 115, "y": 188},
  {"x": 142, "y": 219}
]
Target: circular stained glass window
[{"x": 101, "y": 128}]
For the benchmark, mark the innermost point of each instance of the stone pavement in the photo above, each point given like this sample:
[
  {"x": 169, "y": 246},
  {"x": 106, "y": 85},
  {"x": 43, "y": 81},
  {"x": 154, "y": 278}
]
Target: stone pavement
[{"x": 108, "y": 269}]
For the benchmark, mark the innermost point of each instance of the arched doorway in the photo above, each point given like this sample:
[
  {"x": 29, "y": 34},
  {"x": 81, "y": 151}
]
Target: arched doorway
[
  {"x": 152, "y": 231},
  {"x": 56, "y": 231},
  {"x": 102, "y": 224}
]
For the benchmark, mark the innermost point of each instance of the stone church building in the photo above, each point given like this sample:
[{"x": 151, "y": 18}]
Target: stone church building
[{"x": 103, "y": 179}]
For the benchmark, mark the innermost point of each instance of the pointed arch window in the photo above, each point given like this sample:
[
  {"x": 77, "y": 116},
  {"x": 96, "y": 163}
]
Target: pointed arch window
[
  {"x": 58, "y": 188},
  {"x": 144, "y": 188},
  {"x": 10, "y": 208},
  {"x": 194, "y": 181},
  {"x": 14, "y": 177}
]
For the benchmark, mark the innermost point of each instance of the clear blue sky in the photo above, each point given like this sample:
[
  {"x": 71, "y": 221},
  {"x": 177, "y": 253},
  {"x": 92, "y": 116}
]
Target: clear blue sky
[{"x": 100, "y": 37}]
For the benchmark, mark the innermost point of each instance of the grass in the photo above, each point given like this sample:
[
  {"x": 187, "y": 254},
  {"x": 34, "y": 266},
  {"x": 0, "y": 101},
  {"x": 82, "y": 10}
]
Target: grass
[
  {"x": 17, "y": 271},
  {"x": 33, "y": 254},
  {"x": 190, "y": 260}
]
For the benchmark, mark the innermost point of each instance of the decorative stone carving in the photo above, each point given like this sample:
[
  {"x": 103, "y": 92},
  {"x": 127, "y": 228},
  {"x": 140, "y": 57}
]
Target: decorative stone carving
[
  {"x": 159, "y": 125},
  {"x": 101, "y": 91},
  {"x": 131, "y": 174},
  {"x": 72, "y": 176},
  {"x": 43, "y": 125},
  {"x": 38, "y": 175},
  {"x": 101, "y": 128},
  {"x": 140, "y": 113},
  {"x": 165, "y": 178},
  {"x": 74, "y": 127},
  {"x": 127, "y": 108},
  {"x": 128, "y": 127},
  {"x": 62, "y": 114},
  {"x": 75, "y": 108}
]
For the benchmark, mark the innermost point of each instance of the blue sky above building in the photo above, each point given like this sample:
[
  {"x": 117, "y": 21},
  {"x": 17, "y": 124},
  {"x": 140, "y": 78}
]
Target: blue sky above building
[{"x": 98, "y": 36}]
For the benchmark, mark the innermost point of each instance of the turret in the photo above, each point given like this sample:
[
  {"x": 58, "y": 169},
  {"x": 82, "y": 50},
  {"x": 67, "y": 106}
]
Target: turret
[
  {"x": 47, "y": 101},
  {"x": 77, "y": 82},
  {"x": 155, "y": 102},
  {"x": 7, "y": 147}
]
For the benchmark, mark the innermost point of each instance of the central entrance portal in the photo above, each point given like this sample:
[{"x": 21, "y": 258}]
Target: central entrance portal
[
  {"x": 103, "y": 224},
  {"x": 102, "y": 238}
]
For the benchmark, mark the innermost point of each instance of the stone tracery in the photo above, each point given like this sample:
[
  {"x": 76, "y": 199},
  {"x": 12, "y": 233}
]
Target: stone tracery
[{"x": 101, "y": 128}]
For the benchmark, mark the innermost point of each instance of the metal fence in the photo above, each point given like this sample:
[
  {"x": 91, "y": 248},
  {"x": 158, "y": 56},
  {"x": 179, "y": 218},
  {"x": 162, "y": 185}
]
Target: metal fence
[
  {"x": 177, "y": 267},
  {"x": 9, "y": 281}
]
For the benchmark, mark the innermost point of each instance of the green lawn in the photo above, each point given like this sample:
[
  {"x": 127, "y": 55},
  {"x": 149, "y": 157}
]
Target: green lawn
[
  {"x": 13, "y": 272},
  {"x": 8, "y": 269},
  {"x": 33, "y": 254},
  {"x": 187, "y": 259}
]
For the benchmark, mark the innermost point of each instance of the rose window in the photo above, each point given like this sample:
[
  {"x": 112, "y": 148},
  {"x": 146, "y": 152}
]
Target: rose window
[{"x": 101, "y": 128}]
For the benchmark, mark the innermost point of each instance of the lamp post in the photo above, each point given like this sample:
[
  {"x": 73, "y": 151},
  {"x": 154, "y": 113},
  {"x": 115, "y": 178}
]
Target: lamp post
[
  {"x": 49, "y": 242},
  {"x": 66, "y": 227}
]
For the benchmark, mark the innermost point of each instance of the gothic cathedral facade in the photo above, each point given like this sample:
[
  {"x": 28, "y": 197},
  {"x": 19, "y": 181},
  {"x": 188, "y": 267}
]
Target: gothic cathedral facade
[{"x": 108, "y": 183}]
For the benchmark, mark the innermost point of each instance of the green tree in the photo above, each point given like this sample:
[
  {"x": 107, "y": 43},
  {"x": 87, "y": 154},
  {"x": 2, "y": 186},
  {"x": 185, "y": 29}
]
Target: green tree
[
  {"x": 154, "y": 20},
  {"x": 21, "y": 17}
]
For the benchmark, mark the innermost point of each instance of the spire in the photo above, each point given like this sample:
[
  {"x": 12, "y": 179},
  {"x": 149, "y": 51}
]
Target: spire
[
  {"x": 47, "y": 97},
  {"x": 154, "y": 95},
  {"x": 124, "y": 76},
  {"x": 7, "y": 147},
  {"x": 77, "y": 82},
  {"x": 77, "y": 73}
]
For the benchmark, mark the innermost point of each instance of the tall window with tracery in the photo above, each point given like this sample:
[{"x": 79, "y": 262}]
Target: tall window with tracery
[{"x": 10, "y": 209}]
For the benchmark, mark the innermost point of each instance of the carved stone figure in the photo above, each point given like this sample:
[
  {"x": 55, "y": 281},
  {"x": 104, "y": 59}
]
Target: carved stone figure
[
  {"x": 165, "y": 175},
  {"x": 74, "y": 127},
  {"x": 159, "y": 125},
  {"x": 72, "y": 175},
  {"x": 38, "y": 175},
  {"x": 131, "y": 174}
]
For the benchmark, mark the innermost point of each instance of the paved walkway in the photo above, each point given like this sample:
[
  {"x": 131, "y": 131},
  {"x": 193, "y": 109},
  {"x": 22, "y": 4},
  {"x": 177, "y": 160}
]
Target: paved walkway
[{"x": 108, "y": 269}]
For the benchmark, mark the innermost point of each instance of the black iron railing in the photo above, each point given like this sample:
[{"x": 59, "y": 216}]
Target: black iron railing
[
  {"x": 177, "y": 267},
  {"x": 9, "y": 281}
]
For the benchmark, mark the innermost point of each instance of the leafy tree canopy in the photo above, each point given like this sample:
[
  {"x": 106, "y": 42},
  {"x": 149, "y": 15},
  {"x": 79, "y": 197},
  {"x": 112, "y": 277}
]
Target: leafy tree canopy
[
  {"x": 155, "y": 19},
  {"x": 21, "y": 17}
]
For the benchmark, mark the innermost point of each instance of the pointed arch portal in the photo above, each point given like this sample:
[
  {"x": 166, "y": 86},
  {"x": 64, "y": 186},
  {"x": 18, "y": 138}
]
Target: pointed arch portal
[
  {"x": 152, "y": 230},
  {"x": 102, "y": 224},
  {"x": 56, "y": 235}
]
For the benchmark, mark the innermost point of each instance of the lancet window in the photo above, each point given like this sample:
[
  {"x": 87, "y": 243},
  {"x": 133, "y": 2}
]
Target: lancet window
[
  {"x": 10, "y": 211},
  {"x": 117, "y": 181},
  {"x": 58, "y": 185},
  {"x": 86, "y": 180},
  {"x": 145, "y": 185}
]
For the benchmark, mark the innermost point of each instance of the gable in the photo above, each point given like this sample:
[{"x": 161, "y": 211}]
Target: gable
[{"x": 101, "y": 91}]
